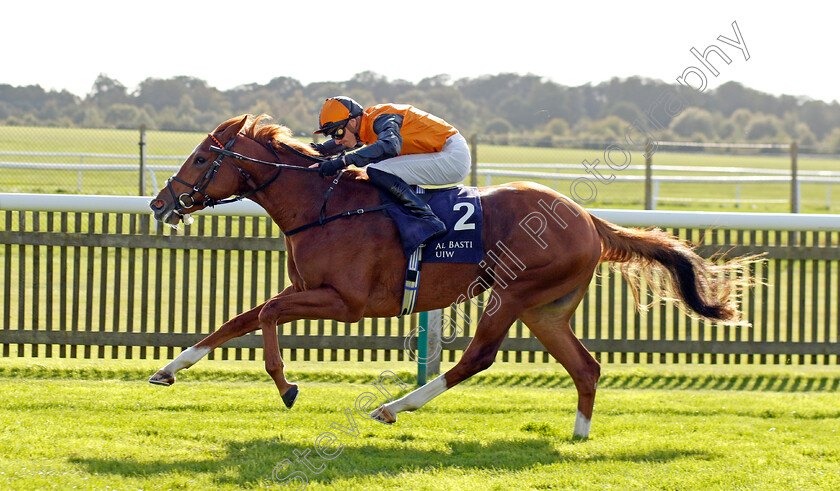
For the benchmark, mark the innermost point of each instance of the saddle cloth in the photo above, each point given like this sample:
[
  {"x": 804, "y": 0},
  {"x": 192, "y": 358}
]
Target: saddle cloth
[{"x": 460, "y": 209}]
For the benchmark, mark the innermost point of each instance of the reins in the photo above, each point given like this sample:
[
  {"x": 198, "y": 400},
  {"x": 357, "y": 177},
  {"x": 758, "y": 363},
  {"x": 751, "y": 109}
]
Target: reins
[
  {"x": 227, "y": 153},
  {"x": 186, "y": 200},
  {"x": 322, "y": 219}
]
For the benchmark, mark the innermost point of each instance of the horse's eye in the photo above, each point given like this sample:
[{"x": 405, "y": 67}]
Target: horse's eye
[{"x": 200, "y": 160}]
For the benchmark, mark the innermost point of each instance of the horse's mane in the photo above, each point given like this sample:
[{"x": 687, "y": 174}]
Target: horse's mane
[{"x": 266, "y": 133}]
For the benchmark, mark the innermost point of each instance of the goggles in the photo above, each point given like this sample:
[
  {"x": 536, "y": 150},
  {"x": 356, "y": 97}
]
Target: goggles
[{"x": 338, "y": 133}]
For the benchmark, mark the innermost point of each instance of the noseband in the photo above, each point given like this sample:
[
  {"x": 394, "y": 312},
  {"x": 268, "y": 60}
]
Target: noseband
[{"x": 187, "y": 199}]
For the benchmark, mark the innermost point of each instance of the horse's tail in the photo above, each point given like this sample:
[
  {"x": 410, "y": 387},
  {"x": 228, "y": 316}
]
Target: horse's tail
[{"x": 673, "y": 270}]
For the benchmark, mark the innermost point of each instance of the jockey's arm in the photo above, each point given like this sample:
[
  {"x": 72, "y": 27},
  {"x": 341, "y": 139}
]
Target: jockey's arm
[
  {"x": 328, "y": 148},
  {"x": 387, "y": 145}
]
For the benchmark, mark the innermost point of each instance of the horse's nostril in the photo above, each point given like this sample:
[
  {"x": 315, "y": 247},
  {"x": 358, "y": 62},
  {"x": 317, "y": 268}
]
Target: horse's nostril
[{"x": 157, "y": 204}]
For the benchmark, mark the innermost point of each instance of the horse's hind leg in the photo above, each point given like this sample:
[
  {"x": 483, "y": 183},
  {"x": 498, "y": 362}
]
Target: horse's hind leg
[
  {"x": 550, "y": 324},
  {"x": 479, "y": 355}
]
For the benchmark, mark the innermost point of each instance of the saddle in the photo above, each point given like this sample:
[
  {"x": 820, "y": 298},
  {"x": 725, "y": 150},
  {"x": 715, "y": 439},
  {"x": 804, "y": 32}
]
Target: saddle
[{"x": 460, "y": 209}]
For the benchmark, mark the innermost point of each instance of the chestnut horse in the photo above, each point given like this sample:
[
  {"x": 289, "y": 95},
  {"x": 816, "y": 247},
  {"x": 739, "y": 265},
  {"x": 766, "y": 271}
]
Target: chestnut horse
[{"x": 354, "y": 267}]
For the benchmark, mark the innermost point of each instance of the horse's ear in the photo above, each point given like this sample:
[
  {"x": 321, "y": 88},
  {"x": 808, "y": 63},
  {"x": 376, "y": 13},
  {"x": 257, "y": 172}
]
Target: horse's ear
[{"x": 233, "y": 128}]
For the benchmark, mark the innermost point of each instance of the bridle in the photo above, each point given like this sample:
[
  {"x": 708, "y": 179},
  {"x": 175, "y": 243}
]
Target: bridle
[{"x": 187, "y": 199}]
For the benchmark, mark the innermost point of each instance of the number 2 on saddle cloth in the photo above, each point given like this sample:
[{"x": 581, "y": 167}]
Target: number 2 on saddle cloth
[{"x": 460, "y": 209}]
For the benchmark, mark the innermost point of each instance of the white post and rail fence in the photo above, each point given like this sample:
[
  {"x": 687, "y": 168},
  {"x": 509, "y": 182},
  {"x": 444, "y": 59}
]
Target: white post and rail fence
[{"x": 89, "y": 276}]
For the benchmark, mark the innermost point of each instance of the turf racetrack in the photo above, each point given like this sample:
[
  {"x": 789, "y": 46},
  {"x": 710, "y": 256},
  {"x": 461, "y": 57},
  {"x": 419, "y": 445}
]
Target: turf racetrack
[{"x": 94, "y": 424}]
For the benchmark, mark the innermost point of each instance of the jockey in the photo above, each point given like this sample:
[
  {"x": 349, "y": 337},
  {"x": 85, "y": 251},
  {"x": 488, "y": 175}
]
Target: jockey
[{"x": 402, "y": 146}]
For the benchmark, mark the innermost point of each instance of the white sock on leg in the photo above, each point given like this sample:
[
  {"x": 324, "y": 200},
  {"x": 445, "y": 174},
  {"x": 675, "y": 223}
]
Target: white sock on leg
[
  {"x": 186, "y": 359},
  {"x": 418, "y": 397},
  {"x": 582, "y": 424}
]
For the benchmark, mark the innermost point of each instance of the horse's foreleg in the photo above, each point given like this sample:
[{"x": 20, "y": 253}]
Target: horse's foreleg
[
  {"x": 291, "y": 305},
  {"x": 479, "y": 355},
  {"x": 238, "y": 326},
  {"x": 318, "y": 303},
  {"x": 275, "y": 367}
]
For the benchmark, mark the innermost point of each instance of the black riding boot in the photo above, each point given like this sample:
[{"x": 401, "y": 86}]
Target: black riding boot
[{"x": 402, "y": 192}]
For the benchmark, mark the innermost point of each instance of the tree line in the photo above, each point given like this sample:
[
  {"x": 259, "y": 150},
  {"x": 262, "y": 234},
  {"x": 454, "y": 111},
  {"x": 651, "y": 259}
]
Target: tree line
[{"x": 504, "y": 108}]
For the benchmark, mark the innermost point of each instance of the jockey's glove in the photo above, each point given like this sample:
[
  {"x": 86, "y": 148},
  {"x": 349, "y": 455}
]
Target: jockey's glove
[{"x": 332, "y": 166}]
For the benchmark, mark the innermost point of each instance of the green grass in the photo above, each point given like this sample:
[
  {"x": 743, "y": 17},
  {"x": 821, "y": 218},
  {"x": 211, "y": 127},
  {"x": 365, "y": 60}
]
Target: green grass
[
  {"x": 97, "y": 425},
  {"x": 84, "y": 140},
  {"x": 817, "y": 198}
]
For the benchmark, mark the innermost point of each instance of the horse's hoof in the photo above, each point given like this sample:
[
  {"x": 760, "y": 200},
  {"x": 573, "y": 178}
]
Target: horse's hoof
[
  {"x": 290, "y": 396},
  {"x": 162, "y": 378},
  {"x": 383, "y": 415}
]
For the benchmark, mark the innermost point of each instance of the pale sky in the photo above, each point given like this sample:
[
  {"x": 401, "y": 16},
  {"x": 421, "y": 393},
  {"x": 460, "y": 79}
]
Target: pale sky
[{"x": 64, "y": 45}]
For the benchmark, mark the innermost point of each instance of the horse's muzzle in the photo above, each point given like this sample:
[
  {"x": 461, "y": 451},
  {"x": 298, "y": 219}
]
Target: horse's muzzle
[{"x": 164, "y": 213}]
